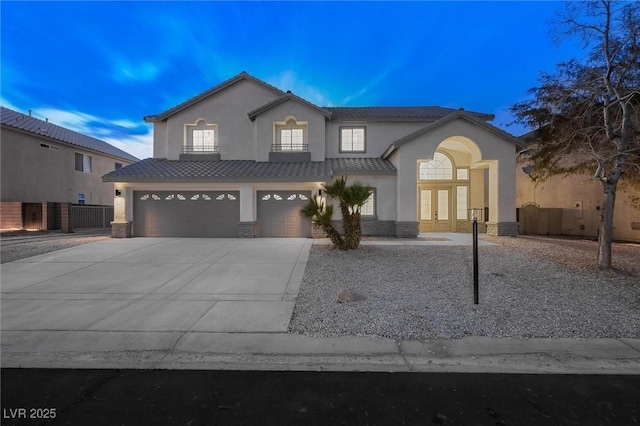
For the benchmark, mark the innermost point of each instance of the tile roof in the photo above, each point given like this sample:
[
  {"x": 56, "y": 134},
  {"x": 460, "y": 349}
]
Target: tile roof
[
  {"x": 369, "y": 166},
  {"x": 398, "y": 113},
  {"x": 365, "y": 113},
  {"x": 459, "y": 114},
  {"x": 287, "y": 96},
  {"x": 215, "y": 89},
  {"x": 45, "y": 129},
  {"x": 161, "y": 170}
]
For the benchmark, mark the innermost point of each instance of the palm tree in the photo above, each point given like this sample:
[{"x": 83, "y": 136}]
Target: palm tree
[{"x": 351, "y": 198}]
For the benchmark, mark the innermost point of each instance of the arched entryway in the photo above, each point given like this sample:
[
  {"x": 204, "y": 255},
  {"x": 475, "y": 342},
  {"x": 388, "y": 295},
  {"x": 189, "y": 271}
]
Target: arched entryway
[{"x": 443, "y": 191}]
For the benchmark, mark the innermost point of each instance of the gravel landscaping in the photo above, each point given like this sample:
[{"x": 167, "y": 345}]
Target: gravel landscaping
[
  {"x": 529, "y": 287},
  {"x": 16, "y": 245}
]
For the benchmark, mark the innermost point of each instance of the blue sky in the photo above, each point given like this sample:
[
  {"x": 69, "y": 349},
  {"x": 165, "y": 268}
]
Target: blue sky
[{"x": 99, "y": 67}]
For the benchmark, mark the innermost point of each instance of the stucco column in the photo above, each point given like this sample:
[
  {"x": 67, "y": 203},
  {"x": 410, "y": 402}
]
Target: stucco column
[
  {"x": 502, "y": 198},
  {"x": 120, "y": 227},
  {"x": 406, "y": 225},
  {"x": 247, "y": 228}
]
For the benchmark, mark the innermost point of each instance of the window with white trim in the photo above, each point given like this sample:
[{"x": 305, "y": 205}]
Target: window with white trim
[
  {"x": 369, "y": 207},
  {"x": 203, "y": 140},
  {"x": 462, "y": 196},
  {"x": 291, "y": 139},
  {"x": 83, "y": 163},
  {"x": 352, "y": 139},
  {"x": 462, "y": 174},
  {"x": 440, "y": 168},
  {"x": 200, "y": 137}
]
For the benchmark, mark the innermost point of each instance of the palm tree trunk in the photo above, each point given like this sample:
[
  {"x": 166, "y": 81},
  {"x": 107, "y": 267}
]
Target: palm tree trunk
[
  {"x": 354, "y": 231},
  {"x": 335, "y": 237}
]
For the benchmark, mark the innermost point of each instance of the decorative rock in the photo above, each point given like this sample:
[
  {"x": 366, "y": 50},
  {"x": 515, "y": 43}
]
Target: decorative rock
[{"x": 349, "y": 296}]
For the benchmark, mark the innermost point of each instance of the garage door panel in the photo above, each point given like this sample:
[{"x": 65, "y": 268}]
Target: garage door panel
[
  {"x": 279, "y": 214},
  {"x": 186, "y": 213}
]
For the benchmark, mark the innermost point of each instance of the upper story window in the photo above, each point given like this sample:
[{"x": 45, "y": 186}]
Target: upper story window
[
  {"x": 83, "y": 163},
  {"x": 352, "y": 139},
  {"x": 440, "y": 168},
  {"x": 201, "y": 137},
  {"x": 290, "y": 135},
  {"x": 118, "y": 166},
  {"x": 291, "y": 139}
]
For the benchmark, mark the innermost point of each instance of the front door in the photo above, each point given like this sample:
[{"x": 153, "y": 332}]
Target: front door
[{"x": 435, "y": 209}]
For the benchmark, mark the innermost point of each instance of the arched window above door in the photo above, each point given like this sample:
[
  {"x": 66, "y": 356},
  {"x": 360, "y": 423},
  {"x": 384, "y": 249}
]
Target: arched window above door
[{"x": 440, "y": 168}]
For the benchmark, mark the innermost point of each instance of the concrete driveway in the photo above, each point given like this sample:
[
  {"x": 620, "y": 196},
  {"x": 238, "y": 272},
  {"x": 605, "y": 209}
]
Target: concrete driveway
[{"x": 157, "y": 285}]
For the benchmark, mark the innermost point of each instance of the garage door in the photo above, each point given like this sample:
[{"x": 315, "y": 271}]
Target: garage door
[
  {"x": 279, "y": 214},
  {"x": 186, "y": 213}
]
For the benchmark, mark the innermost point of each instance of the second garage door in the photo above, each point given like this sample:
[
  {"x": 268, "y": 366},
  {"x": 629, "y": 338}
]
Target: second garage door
[
  {"x": 186, "y": 213},
  {"x": 279, "y": 214}
]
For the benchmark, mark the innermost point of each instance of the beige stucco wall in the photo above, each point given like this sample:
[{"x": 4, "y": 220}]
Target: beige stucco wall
[
  {"x": 579, "y": 198},
  {"x": 228, "y": 109},
  {"x": 31, "y": 173}
]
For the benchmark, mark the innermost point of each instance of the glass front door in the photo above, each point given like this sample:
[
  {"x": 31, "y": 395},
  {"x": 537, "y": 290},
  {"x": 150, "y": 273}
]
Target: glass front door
[{"x": 435, "y": 209}]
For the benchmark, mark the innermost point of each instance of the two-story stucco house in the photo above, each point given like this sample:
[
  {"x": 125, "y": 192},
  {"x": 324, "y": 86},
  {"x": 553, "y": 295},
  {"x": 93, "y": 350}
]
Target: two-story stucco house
[
  {"x": 44, "y": 165},
  {"x": 242, "y": 158}
]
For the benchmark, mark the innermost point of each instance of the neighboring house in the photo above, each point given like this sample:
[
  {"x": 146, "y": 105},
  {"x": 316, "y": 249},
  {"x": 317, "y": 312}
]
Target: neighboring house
[
  {"x": 45, "y": 168},
  {"x": 242, "y": 158},
  {"x": 571, "y": 206}
]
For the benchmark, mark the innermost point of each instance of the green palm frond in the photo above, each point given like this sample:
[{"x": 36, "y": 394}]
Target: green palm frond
[
  {"x": 335, "y": 188},
  {"x": 356, "y": 194}
]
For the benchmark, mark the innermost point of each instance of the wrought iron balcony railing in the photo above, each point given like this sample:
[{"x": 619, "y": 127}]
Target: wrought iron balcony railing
[
  {"x": 295, "y": 147},
  {"x": 204, "y": 149}
]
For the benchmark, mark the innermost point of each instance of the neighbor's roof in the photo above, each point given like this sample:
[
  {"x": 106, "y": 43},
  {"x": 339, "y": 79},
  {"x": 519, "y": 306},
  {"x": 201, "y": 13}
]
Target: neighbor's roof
[
  {"x": 48, "y": 130},
  {"x": 397, "y": 113},
  {"x": 161, "y": 170}
]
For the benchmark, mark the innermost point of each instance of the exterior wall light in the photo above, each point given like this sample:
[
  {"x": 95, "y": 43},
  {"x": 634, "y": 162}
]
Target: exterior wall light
[{"x": 118, "y": 193}]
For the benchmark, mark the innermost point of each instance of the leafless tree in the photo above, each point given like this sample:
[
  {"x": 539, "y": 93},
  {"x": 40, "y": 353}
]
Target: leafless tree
[{"x": 586, "y": 115}]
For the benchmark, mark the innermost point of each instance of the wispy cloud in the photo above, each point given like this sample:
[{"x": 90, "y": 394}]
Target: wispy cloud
[
  {"x": 125, "y": 70},
  {"x": 289, "y": 80},
  {"x": 140, "y": 146}
]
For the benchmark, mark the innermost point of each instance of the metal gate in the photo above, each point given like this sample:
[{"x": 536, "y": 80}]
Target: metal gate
[{"x": 83, "y": 216}]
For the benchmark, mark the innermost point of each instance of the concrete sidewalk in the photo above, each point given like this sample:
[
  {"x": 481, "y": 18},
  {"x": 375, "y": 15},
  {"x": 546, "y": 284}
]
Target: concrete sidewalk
[
  {"x": 282, "y": 351},
  {"x": 172, "y": 303}
]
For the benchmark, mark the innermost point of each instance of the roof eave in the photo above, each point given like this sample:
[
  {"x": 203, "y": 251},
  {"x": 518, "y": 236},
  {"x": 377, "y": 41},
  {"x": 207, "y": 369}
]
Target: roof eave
[
  {"x": 210, "y": 92},
  {"x": 286, "y": 97},
  {"x": 460, "y": 114},
  {"x": 230, "y": 179}
]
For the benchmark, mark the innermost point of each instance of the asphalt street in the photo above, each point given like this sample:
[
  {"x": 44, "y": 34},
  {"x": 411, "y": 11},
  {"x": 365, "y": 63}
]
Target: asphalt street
[{"x": 190, "y": 397}]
